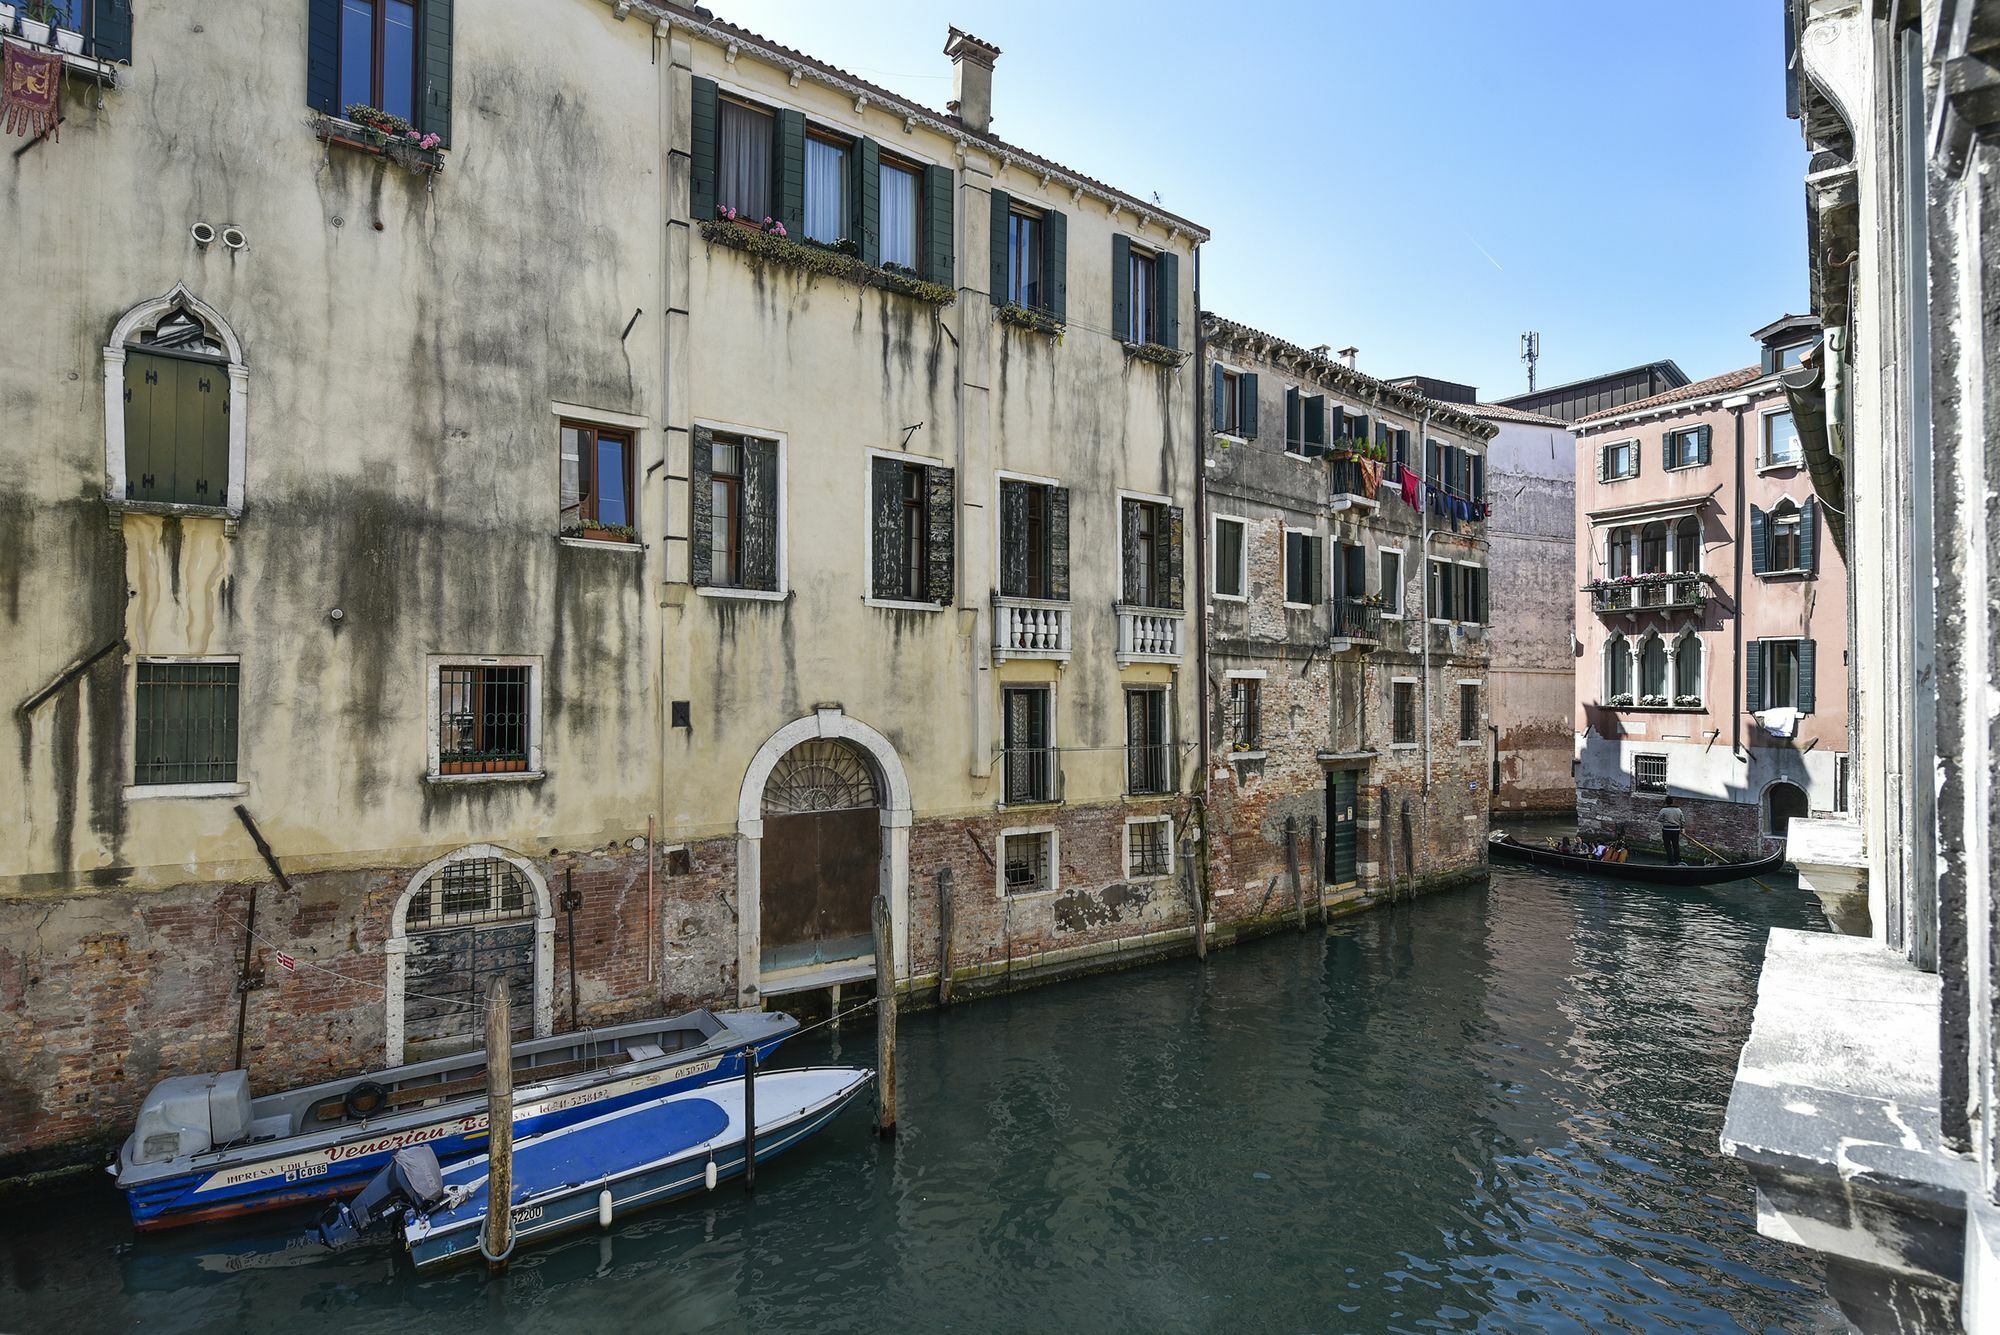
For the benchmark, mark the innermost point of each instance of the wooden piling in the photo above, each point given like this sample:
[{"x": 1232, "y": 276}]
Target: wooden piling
[
  {"x": 1316, "y": 851},
  {"x": 750, "y": 1118},
  {"x": 885, "y": 1021},
  {"x": 944, "y": 936},
  {"x": 1292, "y": 865},
  {"x": 1195, "y": 911},
  {"x": 498, "y": 1242}
]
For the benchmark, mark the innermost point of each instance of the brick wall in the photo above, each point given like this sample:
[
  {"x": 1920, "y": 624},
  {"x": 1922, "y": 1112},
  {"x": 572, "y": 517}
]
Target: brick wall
[{"x": 1734, "y": 828}]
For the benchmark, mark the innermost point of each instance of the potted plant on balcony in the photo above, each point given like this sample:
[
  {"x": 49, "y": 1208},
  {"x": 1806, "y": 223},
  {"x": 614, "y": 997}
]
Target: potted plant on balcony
[
  {"x": 37, "y": 18},
  {"x": 1623, "y": 698},
  {"x": 1688, "y": 701},
  {"x": 592, "y": 531}
]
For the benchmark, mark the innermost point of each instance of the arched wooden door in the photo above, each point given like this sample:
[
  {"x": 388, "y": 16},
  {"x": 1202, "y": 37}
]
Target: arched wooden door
[{"x": 821, "y": 861}]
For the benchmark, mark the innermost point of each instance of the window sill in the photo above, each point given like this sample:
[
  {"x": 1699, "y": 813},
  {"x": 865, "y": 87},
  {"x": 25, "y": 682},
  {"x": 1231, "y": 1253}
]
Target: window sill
[
  {"x": 1230, "y": 597},
  {"x": 1655, "y": 709},
  {"x": 1795, "y": 572},
  {"x": 1392, "y": 616},
  {"x": 1402, "y": 746},
  {"x": 1156, "y": 354},
  {"x": 1019, "y": 896},
  {"x": 142, "y": 792},
  {"x": 1149, "y": 797},
  {"x": 602, "y": 544},
  {"x": 1476, "y": 741},
  {"x": 376, "y": 143},
  {"x": 1052, "y": 805},
  {"x": 902, "y": 604},
  {"x": 1301, "y": 607},
  {"x": 1235, "y": 757},
  {"x": 1029, "y": 320},
  {"x": 509, "y": 776},
  {"x": 748, "y": 595},
  {"x": 1791, "y": 467},
  {"x": 1230, "y": 439},
  {"x": 119, "y": 505}
]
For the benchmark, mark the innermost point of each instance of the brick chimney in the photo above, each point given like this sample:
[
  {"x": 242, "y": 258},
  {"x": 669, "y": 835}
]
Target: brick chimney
[{"x": 972, "y": 80}]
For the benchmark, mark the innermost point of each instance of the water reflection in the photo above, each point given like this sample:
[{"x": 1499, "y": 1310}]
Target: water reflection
[{"x": 1494, "y": 1109}]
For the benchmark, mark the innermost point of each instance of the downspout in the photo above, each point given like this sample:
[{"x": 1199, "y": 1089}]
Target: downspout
[
  {"x": 1200, "y": 524},
  {"x": 1736, "y": 591},
  {"x": 1424, "y": 579}
]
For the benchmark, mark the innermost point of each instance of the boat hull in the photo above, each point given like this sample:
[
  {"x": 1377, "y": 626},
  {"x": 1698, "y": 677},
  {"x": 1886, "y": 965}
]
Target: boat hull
[{"x": 1649, "y": 873}]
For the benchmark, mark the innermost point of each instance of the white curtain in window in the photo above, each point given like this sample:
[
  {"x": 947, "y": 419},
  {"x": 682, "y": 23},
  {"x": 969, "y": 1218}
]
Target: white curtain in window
[
  {"x": 1687, "y": 667},
  {"x": 744, "y": 183},
  {"x": 826, "y": 190},
  {"x": 1653, "y": 667},
  {"x": 1141, "y": 330},
  {"x": 899, "y": 217}
]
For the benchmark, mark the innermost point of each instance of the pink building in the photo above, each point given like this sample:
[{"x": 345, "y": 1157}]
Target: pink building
[{"x": 1712, "y": 613}]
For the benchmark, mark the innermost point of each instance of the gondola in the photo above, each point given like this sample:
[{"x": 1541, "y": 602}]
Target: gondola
[{"x": 1505, "y": 848}]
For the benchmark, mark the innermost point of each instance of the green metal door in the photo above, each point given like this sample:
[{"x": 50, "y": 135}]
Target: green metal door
[{"x": 1342, "y": 794}]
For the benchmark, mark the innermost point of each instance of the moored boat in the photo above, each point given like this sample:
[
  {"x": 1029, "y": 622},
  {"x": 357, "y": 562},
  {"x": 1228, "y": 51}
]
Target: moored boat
[
  {"x": 205, "y": 1149},
  {"x": 1505, "y": 848}
]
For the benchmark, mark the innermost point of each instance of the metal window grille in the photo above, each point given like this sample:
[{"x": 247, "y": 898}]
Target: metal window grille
[
  {"x": 1148, "y": 759},
  {"x": 1028, "y": 760},
  {"x": 1148, "y": 849},
  {"x": 1649, "y": 773},
  {"x": 477, "y": 890},
  {"x": 1842, "y": 777},
  {"x": 1404, "y": 710},
  {"x": 1025, "y": 862},
  {"x": 185, "y": 723},
  {"x": 482, "y": 720},
  {"x": 1468, "y": 713},
  {"x": 1244, "y": 709}
]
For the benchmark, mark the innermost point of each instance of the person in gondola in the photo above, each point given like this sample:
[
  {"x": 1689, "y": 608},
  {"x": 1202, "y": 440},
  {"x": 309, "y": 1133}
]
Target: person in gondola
[
  {"x": 1618, "y": 852},
  {"x": 1672, "y": 819}
]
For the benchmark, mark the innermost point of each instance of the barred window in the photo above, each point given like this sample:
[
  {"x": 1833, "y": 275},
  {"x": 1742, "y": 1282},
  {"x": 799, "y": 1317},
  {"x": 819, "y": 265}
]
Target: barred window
[
  {"x": 1245, "y": 724},
  {"x": 1148, "y": 755},
  {"x": 1149, "y": 847},
  {"x": 477, "y": 890},
  {"x": 1403, "y": 713},
  {"x": 1468, "y": 712},
  {"x": 1027, "y": 862},
  {"x": 1649, "y": 773},
  {"x": 185, "y": 723},
  {"x": 1026, "y": 741},
  {"x": 482, "y": 719}
]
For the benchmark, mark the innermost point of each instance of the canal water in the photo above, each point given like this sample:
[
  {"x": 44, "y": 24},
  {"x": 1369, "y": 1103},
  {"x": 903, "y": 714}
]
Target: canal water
[{"x": 1493, "y": 1109}]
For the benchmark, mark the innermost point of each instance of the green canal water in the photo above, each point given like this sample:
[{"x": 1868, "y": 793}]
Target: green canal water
[{"x": 1493, "y": 1109}]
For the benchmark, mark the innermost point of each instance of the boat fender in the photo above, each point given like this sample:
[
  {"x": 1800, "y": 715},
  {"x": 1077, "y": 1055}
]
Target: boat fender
[
  {"x": 708, "y": 1174},
  {"x": 604, "y": 1208},
  {"x": 364, "y": 1100}
]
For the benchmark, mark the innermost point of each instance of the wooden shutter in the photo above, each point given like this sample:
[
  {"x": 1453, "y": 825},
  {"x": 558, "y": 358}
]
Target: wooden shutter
[
  {"x": 1433, "y": 456},
  {"x": 701, "y": 520},
  {"x": 997, "y": 285},
  {"x": 1760, "y": 541},
  {"x": 1055, "y": 264},
  {"x": 1753, "y": 676},
  {"x": 322, "y": 55},
  {"x": 434, "y": 109},
  {"x": 938, "y": 230},
  {"x": 703, "y": 149},
  {"x": 203, "y": 447},
  {"x": 1353, "y": 570},
  {"x": 760, "y": 539},
  {"x": 1294, "y": 421},
  {"x": 1121, "y": 288},
  {"x": 1480, "y": 608},
  {"x": 1247, "y": 394},
  {"x": 111, "y": 33},
  {"x": 1403, "y": 447},
  {"x": 940, "y": 537},
  {"x": 1336, "y": 421},
  {"x": 1216, "y": 415},
  {"x": 885, "y": 491},
  {"x": 1807, "y": 514},
  {"x": 1604, "y": 463},
  {"x": 1478, "y": 462},
  {"x": 1059, "y": 543},
  {"x": 866, "y": 229},
  {"x": 1702, "y": 448},
  {"x": 1128, "y": 537},
  {"x": 1808, "y": 693},
  {"x": 1357, "y": 428},
  {"x": 788, "y": 170},
  {"x": 1315, "y": 423},
  {"x": 1173, "y": 568},
  {"x": 1167, "y": 306},
  {"x": 151, "y": 386},
  {"x": 1013, "y": 538},
  {"x": 1667, "y": 450}
]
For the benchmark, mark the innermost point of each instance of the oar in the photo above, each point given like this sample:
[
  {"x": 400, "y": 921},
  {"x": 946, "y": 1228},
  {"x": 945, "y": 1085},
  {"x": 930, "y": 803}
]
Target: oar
[{"x": 1719, "y": 858}]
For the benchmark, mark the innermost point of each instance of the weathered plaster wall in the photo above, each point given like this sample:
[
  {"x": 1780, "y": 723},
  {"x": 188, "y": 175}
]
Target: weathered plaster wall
[{"x": 1533, "y": 536}]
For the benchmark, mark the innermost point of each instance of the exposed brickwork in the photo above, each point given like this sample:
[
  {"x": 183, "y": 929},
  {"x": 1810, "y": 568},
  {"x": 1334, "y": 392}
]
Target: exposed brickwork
[{"x": 1728, "y": 827}]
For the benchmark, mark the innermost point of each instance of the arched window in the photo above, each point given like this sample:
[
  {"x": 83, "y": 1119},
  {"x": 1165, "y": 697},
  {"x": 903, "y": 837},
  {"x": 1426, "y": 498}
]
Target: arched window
[
  {"x": 1653, "y": 670},
  {"x": 175, "y": 407},
  {"x": 1687, "y": 544},
  {"x": 1687, "y": 669},
  {"x": 1786, "y": 553},
  {"x": 477, "y": 914},
  {"x": 1618, "y": 552},
  {"x": 1653, "y": 549},
  {"x": 1617, "y": 671},
  {"x": 1783, "y": 802}
]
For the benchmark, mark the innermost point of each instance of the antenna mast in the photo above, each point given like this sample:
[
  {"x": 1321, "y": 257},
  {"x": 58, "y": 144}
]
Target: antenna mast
[{"x": 1531, "y": 352}]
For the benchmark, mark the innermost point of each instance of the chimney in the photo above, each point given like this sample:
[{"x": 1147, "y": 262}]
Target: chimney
[
  {"x": 1347, "y": 356},
  {"x": 972, "y": 80}
]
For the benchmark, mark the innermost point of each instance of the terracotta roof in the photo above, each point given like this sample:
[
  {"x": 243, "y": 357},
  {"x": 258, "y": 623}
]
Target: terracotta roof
[
  {"x": 1700, "y": 389},
  {"x": 1499, "y": 412},
  {"x": 703, "y": 18}
]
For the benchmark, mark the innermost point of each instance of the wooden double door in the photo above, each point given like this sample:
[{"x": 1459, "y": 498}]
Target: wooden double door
[{"x": 820, "y": 873}]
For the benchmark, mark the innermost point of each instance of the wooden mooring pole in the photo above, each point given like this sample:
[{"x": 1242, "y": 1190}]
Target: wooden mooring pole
[
  {"x": 1195, "y": 912},
  {"x": 750, "y": 1118},
  {"x": 1292, "y": 864},
  {"x": 1317, "y": 855},
  {"x": 885, "y": 1021},
  {"x": 944, "y": 936},
  {"x": 498, "y": 1243}
]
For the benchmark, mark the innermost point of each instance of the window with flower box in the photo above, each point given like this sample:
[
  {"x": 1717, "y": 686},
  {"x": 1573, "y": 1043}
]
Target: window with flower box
[
  {"x": 385, "y": 63},
  {"x": 1145, "y": 294},
  {"x": 596, "y": 496},
  {"x": 484, "y": 717}
]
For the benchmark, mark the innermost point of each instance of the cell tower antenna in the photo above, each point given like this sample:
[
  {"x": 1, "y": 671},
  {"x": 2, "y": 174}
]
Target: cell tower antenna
[{"x": 1531, "y": 352}]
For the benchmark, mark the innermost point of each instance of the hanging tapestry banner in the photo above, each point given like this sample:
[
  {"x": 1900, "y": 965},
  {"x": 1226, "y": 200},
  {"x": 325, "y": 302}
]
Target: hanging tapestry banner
[{"x": 28, "y": 84}]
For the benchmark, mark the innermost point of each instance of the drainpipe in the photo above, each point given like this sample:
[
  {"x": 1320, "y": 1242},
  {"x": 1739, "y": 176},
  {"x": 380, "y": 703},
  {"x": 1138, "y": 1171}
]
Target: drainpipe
[
  {"x": 1736, "y": 621},
  {"x": 1424, "y": 579},
  {"x": 1200, "y": 610}
]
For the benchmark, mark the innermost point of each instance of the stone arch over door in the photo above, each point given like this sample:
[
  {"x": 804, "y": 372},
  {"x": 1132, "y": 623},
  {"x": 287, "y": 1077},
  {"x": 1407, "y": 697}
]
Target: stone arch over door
[{"x": 892, "y": 803}]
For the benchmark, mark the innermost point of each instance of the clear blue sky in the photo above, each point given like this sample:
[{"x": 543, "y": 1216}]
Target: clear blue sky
[{"x": 1424, "y": 179}]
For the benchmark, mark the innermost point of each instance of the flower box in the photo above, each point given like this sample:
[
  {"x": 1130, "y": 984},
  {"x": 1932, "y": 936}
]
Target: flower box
[
  {"x": 591, "y": 532},
  {"x": 1031, "y": 320},
  {"x": 406, "y": 148},
  {"x": 1157, "y": 354},
  {"x": 777, "y": 248}
]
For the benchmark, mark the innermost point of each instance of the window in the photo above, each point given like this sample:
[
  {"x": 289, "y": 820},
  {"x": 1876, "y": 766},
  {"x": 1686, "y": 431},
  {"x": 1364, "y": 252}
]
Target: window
[
  {"x": 1034, "y": 540},
  {"x": 1243, "y": 723},
  {"x": 1687, "y": 544},
  {"x": 1653, "y": 671},
  {"x": 1843, "y": 776},
  {"x": 1302, "y": 568},
  {"x": 1024, "y": 259},
  {"x": 1148, "y": 754},
  {"x": 913, "y": 546},
  {"x": 1458, "y": 592},
  {"x": 743, "y": 169},
  {"x": 474, "y": 890},
  {"x": 378, "y": 56},
  {"x": 1649, "y": 773},
  {"x": 1782, "y": 663},
  {"x": 826, "y": 188},
  {"x": 479, "y": 914},
  {"x": 1392, "y": 581},
  {"x": 1617, "y": 671},
  {"x": 1142, "y": 308},
  {"x": 1228, "y": 401},
  {"x": 1687, "y": 447},
  {"x": 1403, "y": 713},
  {"x": 1687, "y": 670},
  {"x": 1151, "y": 533},
  {"x": 1785, "y": 537},
  {"x": 1790, "y": 357},
  {"x": 1029, "y": 755},
  {"x": 178, "y": 369},
  {"x": 1027, "y": 862},
  {"x": 1305, "y": 423},
  {"x": 900, "y": 215},
  {"x": 1468, "y": 711},
  {"x": 185, "y": 722},
  {"x": 1780, "y": 674},
  {"x": 482, "y": 719},
  {"x": 1781, "y": 441},
  {"x": 596, "y": 482},
  {"x": 1149, "y": 847},
  {"x": 1232, "y": 571},
  {"x": 1619, "y": 458},
  {"x": 735, "y": 542}
]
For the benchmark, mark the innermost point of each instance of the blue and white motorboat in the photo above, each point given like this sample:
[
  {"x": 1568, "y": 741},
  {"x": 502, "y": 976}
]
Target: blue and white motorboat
[{"x": 205, "y": 1149}]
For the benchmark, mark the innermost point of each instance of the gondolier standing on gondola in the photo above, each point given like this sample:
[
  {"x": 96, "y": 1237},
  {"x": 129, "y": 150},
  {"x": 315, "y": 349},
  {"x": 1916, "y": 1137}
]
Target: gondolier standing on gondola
[{"x": 1671, "y": 821}]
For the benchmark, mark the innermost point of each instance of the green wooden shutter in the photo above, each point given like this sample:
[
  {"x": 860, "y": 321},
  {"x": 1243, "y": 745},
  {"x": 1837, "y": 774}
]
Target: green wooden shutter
[
  {"x": 885, "y": 489},
  {"x": 1808, "y": 693},
  {"x": 150, "y": 389},
  {"x": 788, "y": 170},
  {"x": 1167, "y": 309},
  {"x": 1807, "y": 514},
  {"x": 938, "y": 229},
  {"x": 1603, "y": 463},
  {"x": 1121, "y": 288},
  {"x": 1753, "y": 676},
  {"x": 204, "y": 447},
  {"x": 1705, "y": 434},
  {"x": 1356, "y": 428},
  {"x": 1175, "y": 571},
  {"x": 1478, "y": 476},
  {"x": 1128, "y": 535},
  {"x": 1217, "y": 418},
  {"x": 1760, "y": 542},
  {"x": 998, "y": 285},
  {"x": 761, "y": 538},
  {"x": 1433, "y": 455},
  {"x": 1667, "y": 450},
  {"x": 111, "y": 34},
  {"x": 1059, "y": 543},
  {"x": 703, "y": 149},
  {"x": 940, "y": 537},
  {"x": 434, "y": 110},
  {"x": 1403, "y": 446},
  {"x": 1013, "y": 538},
  {"x": 701, "y": 520},
  {"x": 1055, "y": 264},
  {"x": 1482, "y": 613},
  {"x": 866, "y": 228},
  {"x": 322, "y": 56},
  {"x": 1247, "y": 392},
  {"x": 1315, "y": 420},
  {"x": 1295, "y": 441}
]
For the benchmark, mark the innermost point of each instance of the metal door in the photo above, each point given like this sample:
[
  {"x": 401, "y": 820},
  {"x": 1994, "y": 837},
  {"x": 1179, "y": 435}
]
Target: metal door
[
  {"x": 1342, "y": 793},
  {"x": 820, "y": 875}
]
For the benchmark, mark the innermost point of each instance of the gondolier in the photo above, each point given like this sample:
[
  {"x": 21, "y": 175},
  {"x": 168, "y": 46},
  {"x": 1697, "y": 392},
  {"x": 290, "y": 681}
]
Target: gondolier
[{"x": 1672, "y": 818}]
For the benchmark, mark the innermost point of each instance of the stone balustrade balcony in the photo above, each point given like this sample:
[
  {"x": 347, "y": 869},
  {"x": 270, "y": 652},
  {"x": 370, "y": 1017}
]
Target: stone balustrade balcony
[
  {"x": 1030, "y": 628},
  {"x": 1150, "y": 634}
]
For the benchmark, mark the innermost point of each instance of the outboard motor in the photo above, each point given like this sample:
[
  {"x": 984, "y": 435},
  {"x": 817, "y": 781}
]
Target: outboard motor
[{"x": 411, "y": 1180}]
